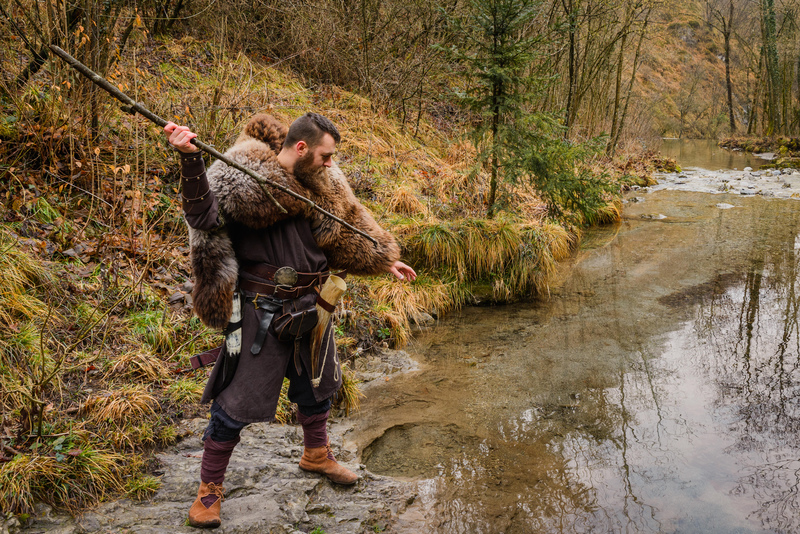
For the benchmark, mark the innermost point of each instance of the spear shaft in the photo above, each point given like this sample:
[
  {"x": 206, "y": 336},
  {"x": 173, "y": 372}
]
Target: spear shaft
[{"x": 138, "y": 107}]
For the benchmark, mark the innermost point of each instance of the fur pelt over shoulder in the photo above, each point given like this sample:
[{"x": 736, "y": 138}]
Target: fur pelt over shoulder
[{"x": 244, "y": 201}]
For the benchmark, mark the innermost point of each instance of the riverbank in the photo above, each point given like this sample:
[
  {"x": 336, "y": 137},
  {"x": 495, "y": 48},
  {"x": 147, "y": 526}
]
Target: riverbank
[
  {"x": 783, "y": 152},
  {"x": 771, "y": 183},
  {"x": 265, "y": 489}
]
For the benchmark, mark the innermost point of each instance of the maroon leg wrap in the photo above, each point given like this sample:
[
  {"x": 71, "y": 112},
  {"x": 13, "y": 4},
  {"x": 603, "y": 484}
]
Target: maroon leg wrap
[
  {"x": 315, "y": 429},
  {"x": 215, "y": 462}
]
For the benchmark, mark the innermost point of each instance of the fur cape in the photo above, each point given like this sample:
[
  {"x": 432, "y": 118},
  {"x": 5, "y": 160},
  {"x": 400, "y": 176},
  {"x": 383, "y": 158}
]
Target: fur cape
[{"x": 241, "y": 199}]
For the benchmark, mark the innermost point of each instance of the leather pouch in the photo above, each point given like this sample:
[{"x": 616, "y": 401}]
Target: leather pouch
[{"x": 296, "y": 319}]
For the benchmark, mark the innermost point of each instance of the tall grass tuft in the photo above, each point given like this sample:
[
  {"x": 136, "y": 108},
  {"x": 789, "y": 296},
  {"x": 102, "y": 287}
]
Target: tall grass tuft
[
  {"x": 404, "y": 200},
  {"x": 80, "y": 478},
  {"x": 139, "y": 366},
  {"x": 24, "y": 276},
  {"x": 348, "y": 398},
  {"x": 127, "y": 404},
  {"x": 518, "y": 258},
  {"x": 286, "y": 411}
]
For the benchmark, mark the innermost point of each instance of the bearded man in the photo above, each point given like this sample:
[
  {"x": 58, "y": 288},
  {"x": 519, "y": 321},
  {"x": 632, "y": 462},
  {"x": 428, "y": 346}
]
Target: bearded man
[{"x": 252, "y": 263}]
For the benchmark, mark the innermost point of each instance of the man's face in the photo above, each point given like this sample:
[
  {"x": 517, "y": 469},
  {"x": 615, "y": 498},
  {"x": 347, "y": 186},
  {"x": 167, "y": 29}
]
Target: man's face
[
  {"x": 314, "y": 159},
  {"x": 322, "y": 154}
]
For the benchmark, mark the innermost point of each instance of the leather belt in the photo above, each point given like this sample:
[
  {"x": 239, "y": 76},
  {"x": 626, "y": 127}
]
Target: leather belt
[
  {"x": 279, "y": 292},
  {"x": 267, "y": 272}
]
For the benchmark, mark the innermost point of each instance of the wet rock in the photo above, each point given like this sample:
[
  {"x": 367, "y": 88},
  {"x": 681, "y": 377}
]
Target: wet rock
[
  {"x": 10, "y": 526},
  {"x": 387, "y": 362},
  {"x": 747, "y": 192},
  {"x": 423, "y": 319}
]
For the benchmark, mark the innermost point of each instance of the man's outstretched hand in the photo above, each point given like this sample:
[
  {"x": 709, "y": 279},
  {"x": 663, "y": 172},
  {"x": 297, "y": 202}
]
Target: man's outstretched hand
[
  {"x": 403, "y": 271},
  {"x": 180, "y": 137}
]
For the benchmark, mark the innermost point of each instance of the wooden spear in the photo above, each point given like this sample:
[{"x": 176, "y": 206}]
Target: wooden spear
[{"x": 138, "y": 107}]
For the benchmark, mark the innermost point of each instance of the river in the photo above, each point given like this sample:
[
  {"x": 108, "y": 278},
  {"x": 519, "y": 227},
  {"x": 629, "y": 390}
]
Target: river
[
  {"x": 705, "y": 154},
  {"x": 655, "y": 391}
]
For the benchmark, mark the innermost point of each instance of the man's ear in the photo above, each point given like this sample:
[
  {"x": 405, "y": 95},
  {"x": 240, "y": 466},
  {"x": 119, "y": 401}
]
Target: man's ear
[{"x": 301, "y": 147}]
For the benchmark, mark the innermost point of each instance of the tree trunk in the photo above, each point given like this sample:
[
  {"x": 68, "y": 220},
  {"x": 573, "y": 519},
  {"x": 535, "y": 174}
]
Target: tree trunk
[
  {"x": 633, "y": 75},
  {"x": 728, "y": 84},
  {"x": 570, "y": 12},
  {"x": 495, "y": 146},
  {"x": 611, "y": 146},
  {"x": 771, "y": 63},
  {"x": 40, "y": 57}
]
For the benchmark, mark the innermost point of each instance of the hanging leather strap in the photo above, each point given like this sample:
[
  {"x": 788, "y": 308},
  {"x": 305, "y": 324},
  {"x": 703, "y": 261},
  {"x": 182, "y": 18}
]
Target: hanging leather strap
[{"x": 268, "y": 307}]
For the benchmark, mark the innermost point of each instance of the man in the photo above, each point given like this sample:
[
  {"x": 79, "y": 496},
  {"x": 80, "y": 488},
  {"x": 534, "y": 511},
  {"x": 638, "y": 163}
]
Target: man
[{"x": 248, "y": 255}]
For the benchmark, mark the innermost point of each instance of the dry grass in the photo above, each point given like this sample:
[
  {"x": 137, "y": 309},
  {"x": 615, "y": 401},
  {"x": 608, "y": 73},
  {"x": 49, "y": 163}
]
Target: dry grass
[
  {"x": 348, "y": 398},
  {"x": 81, "y": 478},
  {"x": 404, "y": 200},
  {"x": 518, "y": 257},
  {"x": 22, "y": 275},
  {"x": 122, "y": 406},
  {"x": 138, "y": 366}
]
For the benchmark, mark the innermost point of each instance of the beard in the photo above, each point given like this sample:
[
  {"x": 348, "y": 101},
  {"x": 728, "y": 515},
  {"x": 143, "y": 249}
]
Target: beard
[{"x": 306, "y": 172}]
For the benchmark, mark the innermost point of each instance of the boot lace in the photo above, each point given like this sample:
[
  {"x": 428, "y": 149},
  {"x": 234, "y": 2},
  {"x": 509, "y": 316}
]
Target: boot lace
[{"x": 214, "y": 495}]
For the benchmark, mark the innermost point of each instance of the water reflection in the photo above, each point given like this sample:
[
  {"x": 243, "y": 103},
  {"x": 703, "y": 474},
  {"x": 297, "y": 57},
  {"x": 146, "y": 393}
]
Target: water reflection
[
  {"x": 705, "y": 154},
  {"x": 756, "y": 373},
  {"x": 656, "y": 392}
]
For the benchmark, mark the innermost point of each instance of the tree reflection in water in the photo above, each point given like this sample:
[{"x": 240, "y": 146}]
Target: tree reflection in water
[{"x": 752, "y": 329}]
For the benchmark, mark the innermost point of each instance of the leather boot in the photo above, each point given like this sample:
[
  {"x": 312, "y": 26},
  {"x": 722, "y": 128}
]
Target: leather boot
[
  {"x": 321, "y": 460},
  {"x": 204, "y": 512}
]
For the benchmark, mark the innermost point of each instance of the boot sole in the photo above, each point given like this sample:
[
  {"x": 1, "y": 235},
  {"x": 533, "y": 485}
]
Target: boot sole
[
  {"x": 207, "y": 524},
  {"x": 329, "y": 478}
]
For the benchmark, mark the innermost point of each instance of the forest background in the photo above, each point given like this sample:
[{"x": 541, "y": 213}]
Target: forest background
[{"x": 486, "y": 134}]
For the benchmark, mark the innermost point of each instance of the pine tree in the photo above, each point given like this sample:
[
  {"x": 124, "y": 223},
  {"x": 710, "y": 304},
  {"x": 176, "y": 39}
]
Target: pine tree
[{"x": 498, "y": 52}]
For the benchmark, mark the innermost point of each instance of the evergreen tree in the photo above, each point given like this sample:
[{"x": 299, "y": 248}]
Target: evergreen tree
[{"x": 498, "y": 51}]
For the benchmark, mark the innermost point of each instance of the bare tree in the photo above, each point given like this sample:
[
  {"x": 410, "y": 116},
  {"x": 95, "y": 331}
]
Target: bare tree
[{"x": 724, "y": 16}]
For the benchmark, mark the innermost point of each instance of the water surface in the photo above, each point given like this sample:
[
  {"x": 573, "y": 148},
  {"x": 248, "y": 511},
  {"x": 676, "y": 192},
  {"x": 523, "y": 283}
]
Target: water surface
[
  {"x": 705, "y": 154},
  {"x": 656, "y": 391}
]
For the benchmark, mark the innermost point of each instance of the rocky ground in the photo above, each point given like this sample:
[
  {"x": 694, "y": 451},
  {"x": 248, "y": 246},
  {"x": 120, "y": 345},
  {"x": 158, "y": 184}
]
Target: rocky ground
[
  {"x": 784, "y": 183},
  {"x": 266, "y": 492}
]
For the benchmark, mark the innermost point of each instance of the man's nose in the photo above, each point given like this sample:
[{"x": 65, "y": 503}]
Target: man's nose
[{"x": 327, "y": 163}]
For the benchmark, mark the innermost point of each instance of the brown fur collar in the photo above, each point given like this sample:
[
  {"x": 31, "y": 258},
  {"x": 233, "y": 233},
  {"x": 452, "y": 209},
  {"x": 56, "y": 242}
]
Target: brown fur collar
[{"x": 241, "y": 199}]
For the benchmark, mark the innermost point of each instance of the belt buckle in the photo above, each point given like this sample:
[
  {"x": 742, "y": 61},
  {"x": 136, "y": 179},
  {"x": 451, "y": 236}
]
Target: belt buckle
[{"x": 285, "y": 277}]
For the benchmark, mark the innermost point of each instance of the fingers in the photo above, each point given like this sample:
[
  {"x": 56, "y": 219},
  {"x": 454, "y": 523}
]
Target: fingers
[
  {"x": 411, "y": 274},
  {"x": 402, "y": 271},
  {"x": 180, "y": 137},
  {"x": 395, "y": 271}
]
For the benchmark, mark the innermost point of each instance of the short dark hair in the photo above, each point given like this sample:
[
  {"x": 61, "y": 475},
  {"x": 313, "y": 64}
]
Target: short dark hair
[{"x": 310, "y": 128}]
